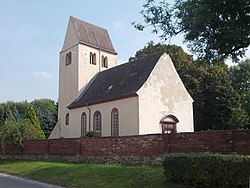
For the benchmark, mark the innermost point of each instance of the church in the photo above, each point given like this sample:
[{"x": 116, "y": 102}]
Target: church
[{"x": 96, "y": 94}]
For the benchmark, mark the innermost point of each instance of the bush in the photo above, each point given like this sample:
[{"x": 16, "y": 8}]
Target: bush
[
  {"x": 208, "y": 170},
  {"x": 92, "y": 134}
]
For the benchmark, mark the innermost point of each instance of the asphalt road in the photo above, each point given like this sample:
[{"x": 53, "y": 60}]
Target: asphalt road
[{"x": 8, "y": 181}]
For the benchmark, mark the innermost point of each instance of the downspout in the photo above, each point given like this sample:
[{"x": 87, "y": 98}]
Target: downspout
[
  {"x": 99, "y": 59},
  {"x": 89, "y": 116}
]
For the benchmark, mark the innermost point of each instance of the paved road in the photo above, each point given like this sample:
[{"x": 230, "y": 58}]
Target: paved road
[{"x": 7, "y": 181}]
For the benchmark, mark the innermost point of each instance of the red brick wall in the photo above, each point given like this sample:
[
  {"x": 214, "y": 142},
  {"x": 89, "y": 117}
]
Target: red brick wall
[
  {"x": 147, "y": 145},
  {"x": 64, "y": 146},
  {"x": 210, "y": 141},
  {"x": 142, "y": 146},
  {"x": 35, "y": 147},
  {"x": 12, "y": 149}
]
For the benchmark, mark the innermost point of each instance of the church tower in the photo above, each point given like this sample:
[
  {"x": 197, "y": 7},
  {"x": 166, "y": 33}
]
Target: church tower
[{"x": 87, "y": 50}]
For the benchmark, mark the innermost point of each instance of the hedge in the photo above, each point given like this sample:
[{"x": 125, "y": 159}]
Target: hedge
[{"x": 208, "y": 170}]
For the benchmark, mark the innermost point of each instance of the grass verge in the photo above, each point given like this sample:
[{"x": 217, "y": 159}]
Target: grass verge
[{"x": 88, "y": 175}]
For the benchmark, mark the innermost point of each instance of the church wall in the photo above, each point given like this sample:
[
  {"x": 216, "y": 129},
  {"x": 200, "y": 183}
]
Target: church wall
[
  {"x": 128, "y": 117},
  {"x": 163, "y": 94},
  {"x": 68, "y": 90},
  {"x": 86, "y": 70}
]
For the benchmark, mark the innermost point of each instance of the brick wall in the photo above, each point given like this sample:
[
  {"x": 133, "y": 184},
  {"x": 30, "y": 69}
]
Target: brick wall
[
  {"x": 210, "y": 141},
  {"x": 146, "y": 145},
  {"x": 133, "y": 149}
]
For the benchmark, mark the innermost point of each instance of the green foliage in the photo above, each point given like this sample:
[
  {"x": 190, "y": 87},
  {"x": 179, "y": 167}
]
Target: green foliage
[
  {"x": 91, "y": 134},
  {"x": 15, "y": 132},
  {"x": 240, "y": 76},
  {"x": 2, "y": 114},
  {"x": 208, "y": 170},
  {"x": 27, "y": 131},
  {"x": 239, "y": 119},
  {"x": 46, "y": 111},
  {"x": 34, "y": 120},
  {"x": 8, "y": 133},
  {"x": 214, "y": 96},
  {"x": 213, "y": 29}
]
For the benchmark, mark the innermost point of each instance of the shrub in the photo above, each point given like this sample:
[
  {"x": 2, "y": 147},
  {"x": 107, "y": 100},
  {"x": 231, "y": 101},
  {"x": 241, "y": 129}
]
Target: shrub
[
  {"x": 208, "y": 170},
  {"x": 92, "y": 134}
]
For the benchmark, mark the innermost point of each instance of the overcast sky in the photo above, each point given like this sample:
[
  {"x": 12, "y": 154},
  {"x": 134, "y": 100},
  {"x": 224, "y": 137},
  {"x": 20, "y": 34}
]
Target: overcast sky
[{"x": 32, "y": 34}]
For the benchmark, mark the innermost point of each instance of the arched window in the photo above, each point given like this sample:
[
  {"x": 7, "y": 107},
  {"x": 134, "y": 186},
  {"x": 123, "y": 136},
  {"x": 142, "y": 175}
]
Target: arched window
[
  {"x": 67, "y": 119},
  {"x": 92, "y": 58},
  {"x": 106, "y": 62},
  {"x": 68, "y": 59},
  {"x": 168, "y": 123},
  {"x": 114, "y": 122},
  {"x": 102, "y": 61},
  {"x": 97, "y": 122},
  {"x": 83, "y": 124}
]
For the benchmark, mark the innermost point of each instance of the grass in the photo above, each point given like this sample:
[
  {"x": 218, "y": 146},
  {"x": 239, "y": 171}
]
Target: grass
[{"x": 88, "y": 175}]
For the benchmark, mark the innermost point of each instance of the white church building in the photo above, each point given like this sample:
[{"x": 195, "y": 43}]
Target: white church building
[{"x": 96, "y": 94}]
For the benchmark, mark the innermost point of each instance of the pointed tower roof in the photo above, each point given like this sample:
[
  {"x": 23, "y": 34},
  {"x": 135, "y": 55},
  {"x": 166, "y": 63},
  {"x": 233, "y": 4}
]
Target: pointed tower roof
[{"x": 92, "y": 35}]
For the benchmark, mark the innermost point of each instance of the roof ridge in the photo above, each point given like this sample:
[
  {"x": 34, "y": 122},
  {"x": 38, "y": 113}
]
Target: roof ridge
[
  {"x": 88, "y": 23},
  {"x": 139, "y": 60},
  {"x": 92, "y": 35}
]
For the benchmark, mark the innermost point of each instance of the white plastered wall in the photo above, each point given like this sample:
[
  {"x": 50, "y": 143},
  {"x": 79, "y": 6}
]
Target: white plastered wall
[
  {"x": 128, "y": 117},
  {"x": 86, "y": 70},
  {"x": 164, "y": 93},
  {"x": 68, "y": 87}
]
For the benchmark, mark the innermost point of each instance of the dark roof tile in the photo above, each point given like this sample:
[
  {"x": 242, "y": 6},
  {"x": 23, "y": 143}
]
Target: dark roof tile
[
  {"x": 93, "y": 35},
  {"x": 117, "y": 82}
]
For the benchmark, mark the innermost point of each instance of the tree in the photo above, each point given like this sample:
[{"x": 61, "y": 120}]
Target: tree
[
  {"x": 8, "y": 133},
  {"x": 213, "y": 29},
  {"x": 34, "y": 121},
  {"x": 46, "y": 111},
  {"x": 239, "y": 119},
  {"x": 214, "y": 97},
  {"x": 15, "y": 132},
  {"x": 240, "y": 78},
  {"x": 2, "y": 112}
]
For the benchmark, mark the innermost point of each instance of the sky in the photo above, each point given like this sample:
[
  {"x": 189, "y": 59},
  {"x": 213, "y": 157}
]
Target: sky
[{"x": 32, "y": 34}]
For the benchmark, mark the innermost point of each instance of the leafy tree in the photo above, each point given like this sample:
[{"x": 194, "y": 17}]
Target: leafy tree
[
  {"x": 240, "y": 78},
  {"x": 2, "y": 112},
  {"x": 214, "y": 97},
  {"x": 27, "y": 131},
  {"x": 213, "y": 29},
  {"x": 46, "y": 111},
  {"x": 8, "y": 133},
  {"x": 35, "y": 122},
  {"x": 15, "y": 132},
  {"x": 239, "y": 119}
]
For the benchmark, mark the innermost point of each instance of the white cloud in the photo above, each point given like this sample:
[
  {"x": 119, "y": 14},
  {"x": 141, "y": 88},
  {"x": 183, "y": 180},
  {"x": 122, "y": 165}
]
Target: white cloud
[
  {"x": 119, "y": 25},
  {"x": 42, "y": 74}
]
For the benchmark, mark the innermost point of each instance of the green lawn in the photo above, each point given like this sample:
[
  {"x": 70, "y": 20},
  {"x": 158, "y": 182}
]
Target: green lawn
[{"x": 88, "y": 175}]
